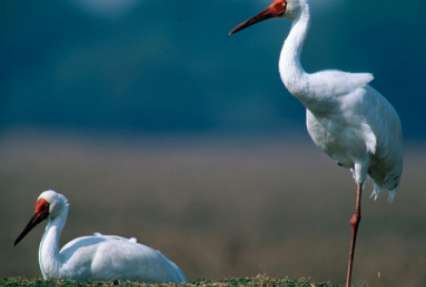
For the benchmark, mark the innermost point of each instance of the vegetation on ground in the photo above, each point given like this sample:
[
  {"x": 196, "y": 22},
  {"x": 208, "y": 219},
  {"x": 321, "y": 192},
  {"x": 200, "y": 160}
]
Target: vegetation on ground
[{"x": 260, "y": 280}]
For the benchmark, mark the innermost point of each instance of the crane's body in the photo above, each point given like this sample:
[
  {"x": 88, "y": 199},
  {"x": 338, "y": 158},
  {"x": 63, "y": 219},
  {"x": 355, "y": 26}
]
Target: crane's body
[
  {"x": 97, "y": 257},
  {"x": 356, "y": 136},
  {"x": 347, "y": 118}
]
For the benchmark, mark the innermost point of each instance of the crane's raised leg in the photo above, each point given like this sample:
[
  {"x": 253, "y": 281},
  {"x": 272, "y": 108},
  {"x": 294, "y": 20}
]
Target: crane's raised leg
[{"x": 354, "y": 221}]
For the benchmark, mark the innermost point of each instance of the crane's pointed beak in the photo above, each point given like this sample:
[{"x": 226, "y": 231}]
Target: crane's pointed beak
[
  {"x": 276, "y": 9},
  {"x": 38, "y": 217}
]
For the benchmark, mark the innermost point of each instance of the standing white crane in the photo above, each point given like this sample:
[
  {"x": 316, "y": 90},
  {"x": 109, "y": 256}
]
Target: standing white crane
[
  {"x": 97, "y": 257},
  {"x": 348, "y": 119}
]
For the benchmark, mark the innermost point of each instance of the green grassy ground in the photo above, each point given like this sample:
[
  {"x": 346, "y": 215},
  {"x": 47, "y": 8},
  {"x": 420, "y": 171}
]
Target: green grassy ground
[{"x": 256, "y": 281}]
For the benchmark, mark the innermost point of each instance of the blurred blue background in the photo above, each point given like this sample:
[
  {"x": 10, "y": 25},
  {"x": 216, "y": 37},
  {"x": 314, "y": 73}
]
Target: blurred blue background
[{"x": 161, "y": 67}]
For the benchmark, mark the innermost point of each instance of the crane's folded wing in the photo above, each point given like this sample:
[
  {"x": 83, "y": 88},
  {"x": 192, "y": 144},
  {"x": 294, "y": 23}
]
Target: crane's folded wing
[{"x": 336, "y": 83}]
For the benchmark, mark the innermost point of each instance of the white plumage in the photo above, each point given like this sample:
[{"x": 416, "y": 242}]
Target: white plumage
[
  {"x": 97, "y": 257},
  {"x": 347, "y": 118}
]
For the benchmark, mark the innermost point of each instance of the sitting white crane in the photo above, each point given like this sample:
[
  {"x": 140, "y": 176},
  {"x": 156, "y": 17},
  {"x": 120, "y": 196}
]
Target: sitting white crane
[
  {"x": 97, "y": 257},
  {"x": 348, "y": 119}
]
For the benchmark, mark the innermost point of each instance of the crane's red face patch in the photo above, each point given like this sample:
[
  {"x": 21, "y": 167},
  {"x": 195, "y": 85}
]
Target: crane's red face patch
[
  {"x": 276, "y": 9},
  {"x": 41, "y": 206}
]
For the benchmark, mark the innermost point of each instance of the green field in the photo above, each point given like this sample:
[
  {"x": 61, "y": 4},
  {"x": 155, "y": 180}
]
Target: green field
[{"x": 255, "y": 281}]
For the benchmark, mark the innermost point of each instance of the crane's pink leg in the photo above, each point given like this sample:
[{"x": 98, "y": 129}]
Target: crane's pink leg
[{"x": 354, "y": 221}]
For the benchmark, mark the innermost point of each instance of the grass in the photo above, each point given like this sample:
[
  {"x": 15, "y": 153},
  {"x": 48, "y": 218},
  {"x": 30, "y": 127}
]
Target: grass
[{"x": 259, "y": 280}]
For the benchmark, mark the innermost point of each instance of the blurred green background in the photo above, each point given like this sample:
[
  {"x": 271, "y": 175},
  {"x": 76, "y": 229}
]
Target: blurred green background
[{"x": 158, "y": 125}]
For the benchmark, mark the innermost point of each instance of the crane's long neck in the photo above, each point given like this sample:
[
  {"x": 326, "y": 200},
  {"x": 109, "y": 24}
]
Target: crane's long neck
[
  {"x": 48, "y": 256},
  {"x": 292, "y": 73}
]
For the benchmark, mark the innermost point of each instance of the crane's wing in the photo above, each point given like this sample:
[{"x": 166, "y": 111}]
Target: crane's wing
[
  {"x": 115, "y": 259},
  {"x": 109, "y": 257},
  {"x": 336, "y": 83},
  {"x": 115, "y": 237}
]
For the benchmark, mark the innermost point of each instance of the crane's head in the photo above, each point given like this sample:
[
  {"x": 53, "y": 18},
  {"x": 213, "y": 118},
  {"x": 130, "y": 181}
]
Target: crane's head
[
  {"x": 277, "y": 9},
  {"x": 49, "y": 204}
]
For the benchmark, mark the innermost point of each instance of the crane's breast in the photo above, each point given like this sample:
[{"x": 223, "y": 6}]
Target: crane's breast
[{"x": 338, "y": 139}]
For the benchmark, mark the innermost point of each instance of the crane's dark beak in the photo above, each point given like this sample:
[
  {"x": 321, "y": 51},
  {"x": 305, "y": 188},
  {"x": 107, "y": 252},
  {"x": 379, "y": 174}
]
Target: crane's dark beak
[
  {"x": 276, "y": 9},
  {"x": 41, "y": 213}
]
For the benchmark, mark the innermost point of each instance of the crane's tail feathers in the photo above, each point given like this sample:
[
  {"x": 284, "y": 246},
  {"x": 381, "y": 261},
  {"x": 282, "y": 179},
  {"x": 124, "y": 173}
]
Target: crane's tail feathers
[
  {"x": 378, "y": 189},
  {"x": 375, "y": 193}
]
